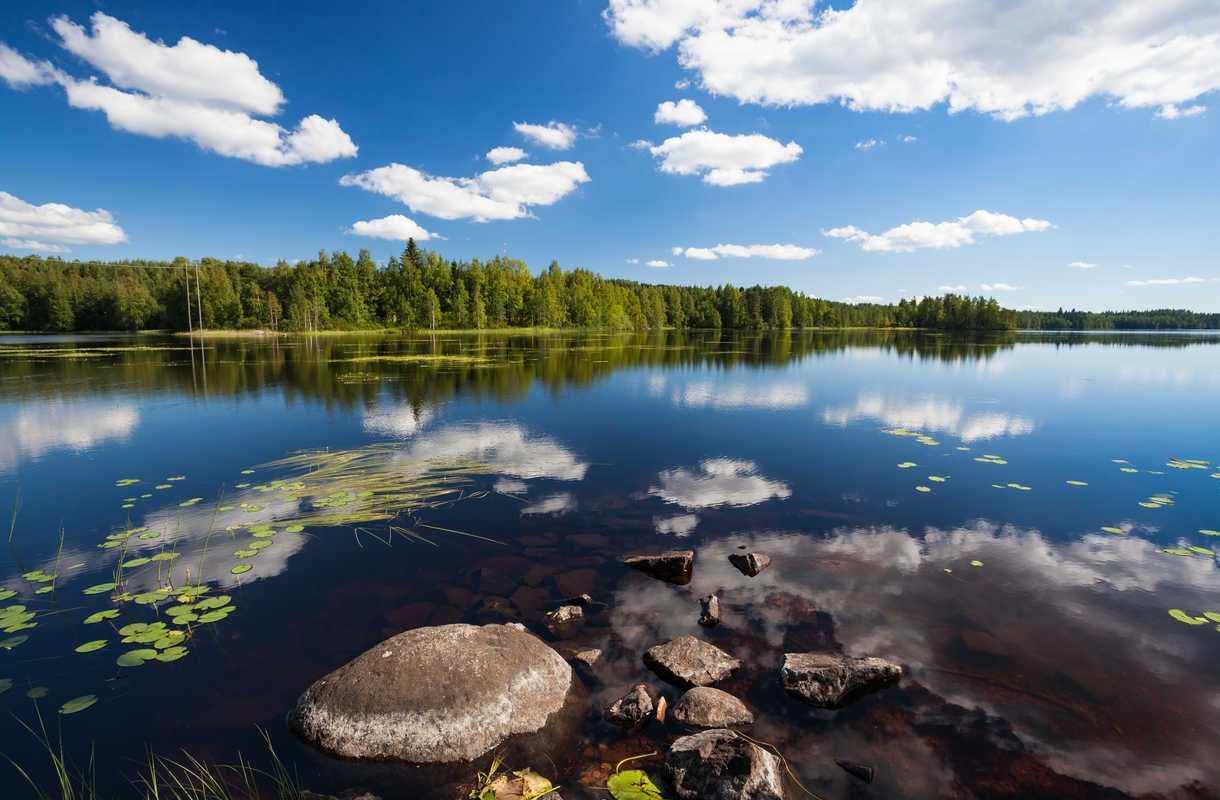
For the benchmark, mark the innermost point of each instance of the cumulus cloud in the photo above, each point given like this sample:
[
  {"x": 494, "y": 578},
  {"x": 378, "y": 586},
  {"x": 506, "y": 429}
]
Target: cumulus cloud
[
  {"x": 1081, "y": 265},
  {"x": 946, "y": 287},
  {"x": 1169, "y": 281},
  {"x": 722, "y": 159},
  {"x": 999, "y": 287},
  {"x": 938, "y": 235},
  {"x": 656, "y": 262},
  {"x": 1172, "y": 111},
  {"x": 50, "y": 226},
  {"x": 908, "y": 139},
  {"x": 778, "y": 252},
  {"x": 869, "y": 144},
  {"x": 683, "y": 113},
  {"x": 863, "y": 298},
  {"x": 504, "y": 193},
  {"x": 505, "y": 155},
  {"x": 555, "y": 135},
  {"x": 930, "y": 414},
  {"x": 998, "y": 57},
  {"x": 395, "y": 227},
  {"x": 189, "y": 90},
  {"x": 718, "y": 482}
]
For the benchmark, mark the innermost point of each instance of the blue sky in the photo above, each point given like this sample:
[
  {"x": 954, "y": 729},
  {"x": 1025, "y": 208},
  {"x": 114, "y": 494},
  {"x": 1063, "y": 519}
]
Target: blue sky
[{"x": 1085, "y": 135}]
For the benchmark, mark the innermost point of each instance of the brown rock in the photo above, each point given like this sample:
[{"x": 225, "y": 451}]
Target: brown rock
[{"x": 687, "y": 661}]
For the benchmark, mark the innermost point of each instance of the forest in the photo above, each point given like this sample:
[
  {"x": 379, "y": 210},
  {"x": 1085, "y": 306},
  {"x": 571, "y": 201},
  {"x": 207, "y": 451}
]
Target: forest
[{"x": 422, "y": 290}]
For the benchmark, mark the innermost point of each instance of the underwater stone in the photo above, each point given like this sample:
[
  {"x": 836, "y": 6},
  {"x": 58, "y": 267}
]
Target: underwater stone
[
  {"x": 720, "y": 765},
  {"x": 706, "y": 707},
  {"x": 632, "y": 709},
  {"x": 687, "y": 661},
  {"x": 674, "y": 566},
  {"x": 710, "y": 615},
  {"x": 750, "y": 563},
  {"x": 439, "y": 694},
  {"x": 827, "y": 680}
]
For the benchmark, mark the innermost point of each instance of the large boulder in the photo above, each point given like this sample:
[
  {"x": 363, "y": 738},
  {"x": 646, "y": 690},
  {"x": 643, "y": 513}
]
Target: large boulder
[
  {"x": 720, "y": 765},
  {"x": 828, "y": 680},
  {"x": 674, "y": 566},
  {"x": 687, "y": 661},
  {"x": 705, "y": 707},
  {"x": 438, "y": 694}
]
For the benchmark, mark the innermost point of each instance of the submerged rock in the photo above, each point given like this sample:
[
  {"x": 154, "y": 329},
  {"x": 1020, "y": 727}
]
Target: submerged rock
[
  {"x": 587, "y": 658},
  {"x": 861, "y": 771},
  {"x": 705, "y": 707},
  {"x": 674, "y": 566},
  {"x": 710, "y": 614},
  {"x": 687, "y": 661},
  {"x": 720, "y": 765},
  {"x": 827, "y": 680},
  {"x": 750, "y": 563},
  {"x": 566, "y": 620},
  {"x": 440, "y": 694},
  {"x": 632, "y": 709}
]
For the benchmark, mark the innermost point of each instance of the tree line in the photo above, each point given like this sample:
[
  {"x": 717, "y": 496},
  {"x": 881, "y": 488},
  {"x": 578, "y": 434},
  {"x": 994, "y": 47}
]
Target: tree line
[
  {"x": 422, "y": 290},
  {"x": 1154, "y": 320}
]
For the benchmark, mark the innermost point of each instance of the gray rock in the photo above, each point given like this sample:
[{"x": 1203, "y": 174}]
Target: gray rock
[
  {"x": 750, "y": 563},
  {"x": 705, "y": 707},
  {"x": 441, "y": 694},
  {"x": 687, "y": 661},
  {"x": 632, "y": 709},
  {"x": 720, "y": 765},
  {"x": 710, "y": 614},
  {"x": 674, "y": 566},
  {"x": 828, "y": 680}
]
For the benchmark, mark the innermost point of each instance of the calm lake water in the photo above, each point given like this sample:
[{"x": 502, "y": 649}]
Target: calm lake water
[{"x": 1030, "y": 613}]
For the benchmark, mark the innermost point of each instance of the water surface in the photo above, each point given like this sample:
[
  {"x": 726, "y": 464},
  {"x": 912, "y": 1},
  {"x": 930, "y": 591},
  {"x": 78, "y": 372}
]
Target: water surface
[{"x": 1041, "y": 658}]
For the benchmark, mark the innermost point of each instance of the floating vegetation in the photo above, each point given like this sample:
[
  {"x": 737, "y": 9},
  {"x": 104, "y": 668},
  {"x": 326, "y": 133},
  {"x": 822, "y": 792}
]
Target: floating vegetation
[
  {"x": 1187, "y": 463},
  {"x": 923, "y": 489},
  {"x": 937, "y": 478},
  {"x": 77, "y": 704},
  {"x": 126, "y": 482},
  {"x": 1128, "y": 469},
  {"x": 922, "y": 438},
  {"x": 419, "y": 358},
  {"x": 90, "y": 647},
  {"x": 1182, "y": 616},
  {"x": 990, "y": 459},
  {"x": 101, "y": 616},
  {"x": 907, "y": 465},
  {"x": 16, "y": 618},
  {"x": 1076, "y": 483},
  {"x": 1157, "y": 501},
  {"x": 189, "y": 503},
  {"x": 632, "y": 784},
  {"x": 1209, "y": 532},
  {"x": 1020, "y": 487},
  {"x": 1116, "y": 530},
  {"x": 976, "y": 563},
  {"x": 1177, "y": 551},
  {"x": 241, "y": 568}
]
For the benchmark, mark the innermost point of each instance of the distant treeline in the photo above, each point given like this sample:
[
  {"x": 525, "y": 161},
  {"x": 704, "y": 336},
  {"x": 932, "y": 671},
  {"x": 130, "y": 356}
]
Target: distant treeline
[
  {"x": 422, "y": 290},
  {"x": 1158, "y": 319}
]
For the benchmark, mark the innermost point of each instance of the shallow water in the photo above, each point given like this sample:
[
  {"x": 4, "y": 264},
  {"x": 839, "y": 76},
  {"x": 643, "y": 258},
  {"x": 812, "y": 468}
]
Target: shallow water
[{"x": 1040, "y": 656}]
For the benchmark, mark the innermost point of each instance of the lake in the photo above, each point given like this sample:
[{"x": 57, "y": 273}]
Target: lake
[{"x": 1011, "y": 519}]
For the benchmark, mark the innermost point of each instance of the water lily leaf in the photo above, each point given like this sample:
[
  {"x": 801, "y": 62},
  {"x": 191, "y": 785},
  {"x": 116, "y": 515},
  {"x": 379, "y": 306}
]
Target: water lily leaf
[
  {"x": 247, "y": 472},
  {"x": 976, "y": 563},
  {"x": 184, "y": 619},
  {"x": 903, "y": 465},
  {"x": 189, "y": 503},
  {"x": 1112, "y": 529},
  {"x": 135, "y": 562},
  {"x": 1204, "y": 531},
  {"x": 633, "y": 784},
  {"x": 219, "y": 601},
  {"x": 294, "y": 529},
  {"x": 13, "y": 641},
  {"x": 240, "y": 568},
  {"x": 1177, "y": 551},
  {"x": 1182, "y": 616},
  {"x": 1203, "y": 551},
  {"x": 924, "y": 489},
  {"x": 1076, "y": 483},
  {"x": 77, "y": 704},
  {"x": 937, "y": 478},
  {"x": 5, "y": 594},
  {"x": 100, "y": 588},
  {"x": 166, "y": 556},
  {"x": 36, "y": 692},
  {"x": 172, "y": 653},
  {"x": 98, "y": 616},
  {"x": 90, "y": 647},
  {"x": 261, "y": 544},
  {"x": 5, "y": 684},
  {"x": 1212, "y": 615},
  {"x": 162, "y": 486}
]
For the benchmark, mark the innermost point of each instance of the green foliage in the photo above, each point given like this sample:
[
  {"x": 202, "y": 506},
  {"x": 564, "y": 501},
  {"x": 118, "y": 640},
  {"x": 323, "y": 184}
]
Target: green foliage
[{"x": 422, "y": 290}]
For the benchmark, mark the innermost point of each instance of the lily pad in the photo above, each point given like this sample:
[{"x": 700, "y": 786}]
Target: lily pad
[
  {"x": 98, "y": 616},
  {"x": 241, "y": 568},
  {"x": 633, "y": 784},
  {"x": 1182, "y": 616},
  {"x": 1112, "y": 529},
  {"x": 136, "y": 658},
  {"x": 100, "y": 588},
  {"x": 77, "y": 704},
  {"x": 923, "y": 489},
  {"x": 36, "y": 692},
  {"x": 90, "y": 647},
  {"x": 135, "y": 562},
  {"x": 1076, "y": 483}
]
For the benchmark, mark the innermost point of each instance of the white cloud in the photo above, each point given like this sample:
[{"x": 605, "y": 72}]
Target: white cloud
[
  {"x": 999, "y": 287},
  {"x": 19, "y": 72},
  {"x": 1171, "y": 111},
  {"x": 395, "y": 227},
  {"x": 50, "y": 226},
  {"x": 505, "y": 155},
  {"x": 189, "y": 90},
  {"x": 908, "y": 139},
  {"x": 778, "y": 252},
  {"x": 863, "y": 298},
  {"x": 633, "y": 261},
  {"x": 682, "y": 85},
  {"x": 999, "y": 57},
  {"x": 505, "y": 448},
  {"x": 869, "y": 144},
  {"x": 503, "y": 193},
  {"x": 953, "y": 233},
  {"x": 683, "y": 113},
  {"x": 555, "y": 135},
  {"x": 930, "y": 414},
  {"x": 722, "y": 159},
  {"x": 656, "y": 262},
  {"x": 718, "y": 482},
  {"x": 1170, "y": 281},
  {"x": 1081, "y": 265},
  {"x": 945, "y": 287},
  {"x": 678, "y": 525}
]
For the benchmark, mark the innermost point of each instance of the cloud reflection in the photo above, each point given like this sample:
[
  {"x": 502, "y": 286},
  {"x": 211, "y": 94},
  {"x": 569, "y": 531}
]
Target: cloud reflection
[
  {"x": 930, "y": 414},
  {"x": 40, "y": 428},
  {"x": 718, "y": 482}
]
